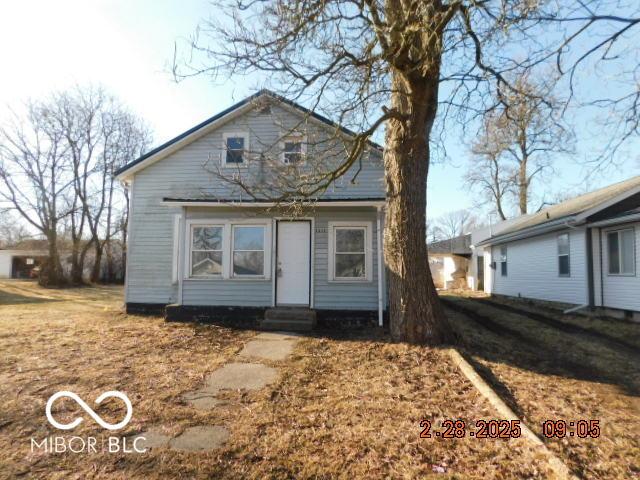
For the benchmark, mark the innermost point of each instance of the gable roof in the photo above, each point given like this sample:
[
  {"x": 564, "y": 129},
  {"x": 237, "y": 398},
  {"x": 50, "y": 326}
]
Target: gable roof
[
  {"x": 242, "y": 106},
  {"x": 574, "y": 211}
]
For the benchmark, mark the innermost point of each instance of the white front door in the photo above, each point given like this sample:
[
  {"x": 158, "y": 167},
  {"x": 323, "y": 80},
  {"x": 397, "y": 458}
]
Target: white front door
[{"x": 293, "y": 267}]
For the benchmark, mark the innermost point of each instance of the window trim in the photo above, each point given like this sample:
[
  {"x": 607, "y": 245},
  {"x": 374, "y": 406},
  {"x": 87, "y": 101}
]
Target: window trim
[
  {"x": 506, "y": 261},
  {"x": 232, "y": 250},
  {"x": 368, "y": 251},
  {"x": 568, "y": 255},
  {"x": 303, "y": 148},
  {"x": 227, "y": 261},
  {"x": 618, "y": 232},
  {"x": 245, "y": 155},
  {"x": 190, "y": 274}
]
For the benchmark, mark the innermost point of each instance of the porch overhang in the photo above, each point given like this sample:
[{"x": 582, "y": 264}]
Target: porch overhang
[{"x": 315, "y": 203}]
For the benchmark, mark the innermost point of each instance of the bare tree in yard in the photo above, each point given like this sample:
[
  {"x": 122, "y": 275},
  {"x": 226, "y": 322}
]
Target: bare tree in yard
[
  {"x": 371, "y": 63},
  {"x": 34, "y": 178},
  {"x": 57, "y": 166},
  {"x": 517, "y": 145},
  {"x": 101, "y": 136}
]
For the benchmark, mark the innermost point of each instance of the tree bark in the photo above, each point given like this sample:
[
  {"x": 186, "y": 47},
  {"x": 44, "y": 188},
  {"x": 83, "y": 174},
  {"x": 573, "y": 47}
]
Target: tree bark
[
  {"x": 523, "y": 184},
  {"x": 97, "y": 262},
  {"x": 416, "y": 313},
  {"x": 52, "y": 274}
]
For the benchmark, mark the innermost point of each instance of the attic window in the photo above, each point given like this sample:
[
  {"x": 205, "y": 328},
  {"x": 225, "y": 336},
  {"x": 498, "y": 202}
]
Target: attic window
[
  {"x": 235, "y": 148},
  {"x": 293, "y": 150}
]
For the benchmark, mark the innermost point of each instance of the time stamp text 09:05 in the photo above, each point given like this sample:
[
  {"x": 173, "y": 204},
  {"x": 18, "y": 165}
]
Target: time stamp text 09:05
[{"x": 504, "y": 429}]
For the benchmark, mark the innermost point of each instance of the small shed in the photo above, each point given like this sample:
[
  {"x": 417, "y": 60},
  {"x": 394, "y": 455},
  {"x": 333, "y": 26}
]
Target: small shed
[
  {"x": 20, "y": 260},
  {"x": 449, "y": 262}
]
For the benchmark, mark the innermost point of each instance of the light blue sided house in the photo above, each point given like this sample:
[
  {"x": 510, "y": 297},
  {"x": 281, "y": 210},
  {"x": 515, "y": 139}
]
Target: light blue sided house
[{"x": 208, "y": 240}]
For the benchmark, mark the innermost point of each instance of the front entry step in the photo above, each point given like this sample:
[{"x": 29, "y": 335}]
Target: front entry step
[{"x": 288, "y": 318}]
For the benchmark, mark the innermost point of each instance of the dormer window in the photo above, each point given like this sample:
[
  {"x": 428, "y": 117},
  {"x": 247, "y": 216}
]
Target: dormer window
[
  {"x": 235, "y": 148},
  {"x": 293, "y": 151}
]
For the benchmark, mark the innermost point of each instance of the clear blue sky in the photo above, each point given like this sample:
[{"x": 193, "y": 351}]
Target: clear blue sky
[{"x": 127, "y": 46}]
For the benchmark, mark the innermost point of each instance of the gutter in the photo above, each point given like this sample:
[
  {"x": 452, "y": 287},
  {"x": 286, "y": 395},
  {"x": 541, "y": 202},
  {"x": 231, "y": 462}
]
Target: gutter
[
  {"x": 534, "y": 231},
  {"x": 634, "y": 217}
]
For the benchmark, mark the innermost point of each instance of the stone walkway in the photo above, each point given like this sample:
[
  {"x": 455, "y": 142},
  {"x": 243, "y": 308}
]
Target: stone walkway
[{"x": 244, "y": 373}]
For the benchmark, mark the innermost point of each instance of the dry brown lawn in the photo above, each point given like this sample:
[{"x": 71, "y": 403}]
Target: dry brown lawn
[
  {"x": 342, "y": 407},
  {"x": 552, "y": 375}
]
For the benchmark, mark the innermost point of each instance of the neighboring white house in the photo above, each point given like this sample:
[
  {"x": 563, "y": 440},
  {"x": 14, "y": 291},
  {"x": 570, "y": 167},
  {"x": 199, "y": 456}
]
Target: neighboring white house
[
  {"x": 200, "y": 242},
  {"x": 582, "y": 251}
]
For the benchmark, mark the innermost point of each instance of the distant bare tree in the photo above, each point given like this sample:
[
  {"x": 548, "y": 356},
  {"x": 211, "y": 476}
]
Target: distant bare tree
[
  {"x": 35, "y": 177},
  {"x": 453, "y": 224},
  {"x": 517, "y": 144},
  {"x": 64, "y": 150},
  {"x": 12, "y": 231},
  {"x": 101, "y": 135}
]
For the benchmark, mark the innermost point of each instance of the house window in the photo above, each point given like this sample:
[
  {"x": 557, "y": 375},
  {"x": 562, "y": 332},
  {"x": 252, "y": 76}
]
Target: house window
[
  {"x": 350, "y": 253},
  {"x": 206, "y": 251},
  {"x": 503, "y": 260},
  {"x": 622, "y": 254},
  {"x": 293, "y": 150},
  {"x": 235, "y": 146},
  {"x": 248, "y": 250},
  {"x": 564, "y": 267}
]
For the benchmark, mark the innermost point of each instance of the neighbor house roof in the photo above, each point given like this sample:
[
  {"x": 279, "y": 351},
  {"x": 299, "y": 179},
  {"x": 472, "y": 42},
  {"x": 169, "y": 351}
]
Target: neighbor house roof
[
  {"x": 246, "y": 104},
  {"x": 460, "y": 245},
  {"x": 571, "y": 212}
]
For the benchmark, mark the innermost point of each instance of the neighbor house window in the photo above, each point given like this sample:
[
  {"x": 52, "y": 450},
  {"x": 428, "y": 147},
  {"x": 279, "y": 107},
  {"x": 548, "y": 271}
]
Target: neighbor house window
[
  {"x": 235, "y": 146},
  {"x": 564, "y": 268},
  {"x": 622, "y": 254},
  {"x": 293, "y": 150},
  {"x": 206, "y": 250},
  {"x": 503, "y": 261},
  {"x": 248, "y": 250}
]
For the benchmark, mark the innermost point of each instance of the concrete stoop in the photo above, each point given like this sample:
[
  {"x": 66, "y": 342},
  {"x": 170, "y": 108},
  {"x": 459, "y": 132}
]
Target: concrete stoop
[{"x": 289, "y": 319}]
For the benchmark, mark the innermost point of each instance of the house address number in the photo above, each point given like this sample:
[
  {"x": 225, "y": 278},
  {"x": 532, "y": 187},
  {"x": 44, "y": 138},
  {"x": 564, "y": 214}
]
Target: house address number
[{"x": 321, "y": 230}]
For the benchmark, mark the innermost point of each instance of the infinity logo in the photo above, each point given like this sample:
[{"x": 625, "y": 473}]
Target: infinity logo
[{"x": 87, "y": 408}]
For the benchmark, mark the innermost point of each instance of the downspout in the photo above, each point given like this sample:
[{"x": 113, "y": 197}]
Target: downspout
[
  {"x": 601, "y": 254},
  {"x": 590, "y": 281},
  {"x": 379, "y": 256},
  {"x": 181, "y": 253}
]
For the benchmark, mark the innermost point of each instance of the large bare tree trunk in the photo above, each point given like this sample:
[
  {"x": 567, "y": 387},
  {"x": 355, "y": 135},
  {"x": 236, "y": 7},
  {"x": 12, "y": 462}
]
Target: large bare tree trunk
[
  {"x": 523, "y": 187},
  {"x": 97, "y": 262},
  {"x": 416, "y": 313},
  {"x": 52, "y": 274}
]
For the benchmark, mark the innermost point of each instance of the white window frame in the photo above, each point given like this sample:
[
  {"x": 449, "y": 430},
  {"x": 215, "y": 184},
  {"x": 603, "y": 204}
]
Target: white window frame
[
  {"x": 619, "y": 232},
  {"x": 245, "y": 155},
  {"x": 265, "y": 243},
  {"x": 368, "y": 251},
  {"x": 303, "y": 148},
  {"x": 227, "y": 249},
  {"x": 505, "y": 261},
  {"x": 189, "y": 270},
  {"x": 568, "y": 254}
]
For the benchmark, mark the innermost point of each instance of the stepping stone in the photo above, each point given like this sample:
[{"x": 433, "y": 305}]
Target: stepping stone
[
  {"x": 200, "y": 439},
  {"x": 268, "y": 349},
  {"x": 202, "y": 400},
  {"x": 153, "y": 438},
  {"x": 278, "y": 336},
  {"x": 234, "y": 376}
]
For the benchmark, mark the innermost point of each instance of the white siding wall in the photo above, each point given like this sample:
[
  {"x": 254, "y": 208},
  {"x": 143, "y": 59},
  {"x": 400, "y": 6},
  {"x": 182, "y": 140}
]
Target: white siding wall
[
  {"x": 619, "y": 291},
  {"x": 5, "y": 264},
  {"x": 533, "y": 269}
]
